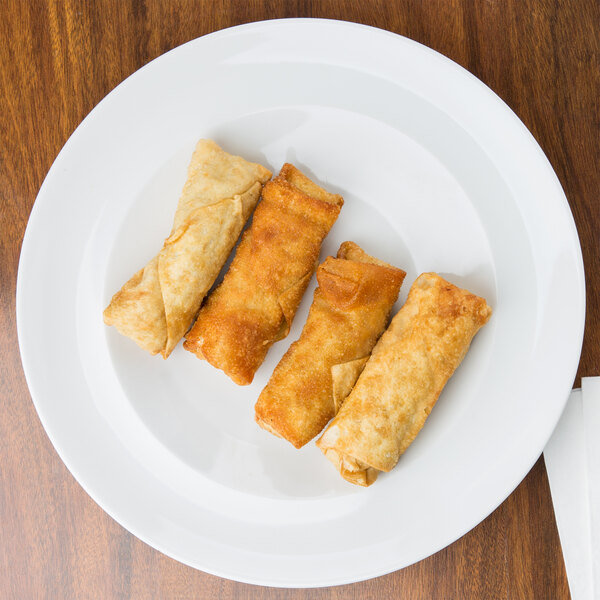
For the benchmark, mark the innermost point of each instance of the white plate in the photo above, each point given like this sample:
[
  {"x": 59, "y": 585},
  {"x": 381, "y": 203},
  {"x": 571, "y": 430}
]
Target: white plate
[{"x": 438, "y": 175}]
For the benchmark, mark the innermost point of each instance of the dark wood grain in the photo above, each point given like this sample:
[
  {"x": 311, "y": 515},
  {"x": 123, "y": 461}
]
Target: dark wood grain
[{"x": 58, "y": 59}]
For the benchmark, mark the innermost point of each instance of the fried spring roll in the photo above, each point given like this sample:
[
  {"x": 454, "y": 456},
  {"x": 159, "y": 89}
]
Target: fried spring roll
[
  {"x": 158, "y": 304},
  {"x": 408, "y": 368},
  {"x": 256, "y": 303},
  {"x": 349, "y": 312}
]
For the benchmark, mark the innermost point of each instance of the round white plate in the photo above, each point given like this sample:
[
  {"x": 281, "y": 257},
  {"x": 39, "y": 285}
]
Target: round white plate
[{"x": 438, "y": 175}]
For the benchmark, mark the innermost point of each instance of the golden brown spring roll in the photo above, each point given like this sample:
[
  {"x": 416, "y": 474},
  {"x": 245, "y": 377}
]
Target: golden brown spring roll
[
  {"x": 158, "y": 304},
  {"x": 256, "y": 303},
  {"x": 408, "y": 368},
  {"x": 349, "y": 312}
]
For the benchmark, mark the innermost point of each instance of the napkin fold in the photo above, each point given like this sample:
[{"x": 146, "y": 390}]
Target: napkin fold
[{"x": 572, "y": 458}]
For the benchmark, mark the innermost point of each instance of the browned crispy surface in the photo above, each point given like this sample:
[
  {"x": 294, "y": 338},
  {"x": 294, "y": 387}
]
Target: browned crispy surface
[
  {"x": 408, "y": 368},
  {"x": 349, "y": 312},
  {"x": 256, "y": 303},
  {"x": 158, "y": 304}
]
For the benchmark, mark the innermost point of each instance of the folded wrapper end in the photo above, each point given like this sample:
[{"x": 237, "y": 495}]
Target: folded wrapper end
[
  {"x": 350, "y": 468},
  {"x": 343, "y": 378},
  {"x": 194, "y": 348},
  {"x": 306, "y": 185},
  {"x": 267, "y": 427}
]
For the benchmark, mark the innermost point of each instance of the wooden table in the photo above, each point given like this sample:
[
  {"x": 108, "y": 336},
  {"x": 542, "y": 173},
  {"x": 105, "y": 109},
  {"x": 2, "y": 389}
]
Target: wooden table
[{"x": 58, "y": 59}]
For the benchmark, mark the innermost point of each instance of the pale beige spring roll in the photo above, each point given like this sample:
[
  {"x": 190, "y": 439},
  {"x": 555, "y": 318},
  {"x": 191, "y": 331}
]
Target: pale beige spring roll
[
  {"x": 349, "y": 312},
  {"x": 408, "y": 368},
  {"x": 159, "y": 303},
  {"x": 255, "y": 305}
]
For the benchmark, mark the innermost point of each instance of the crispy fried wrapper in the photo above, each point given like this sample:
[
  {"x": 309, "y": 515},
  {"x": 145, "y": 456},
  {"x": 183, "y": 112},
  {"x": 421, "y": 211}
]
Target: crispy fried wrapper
[
  {"x": 410, "y": 365},
  {"x": 255, "y": 305},
  {"x": 349, "y": 312},
  {"x": 158, "y": 304}
]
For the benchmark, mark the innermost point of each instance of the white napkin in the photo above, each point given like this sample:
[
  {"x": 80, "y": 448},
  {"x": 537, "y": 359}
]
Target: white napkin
[
  {"x": 572, "y": 459},
  {"x": 590, "y": 391}
]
